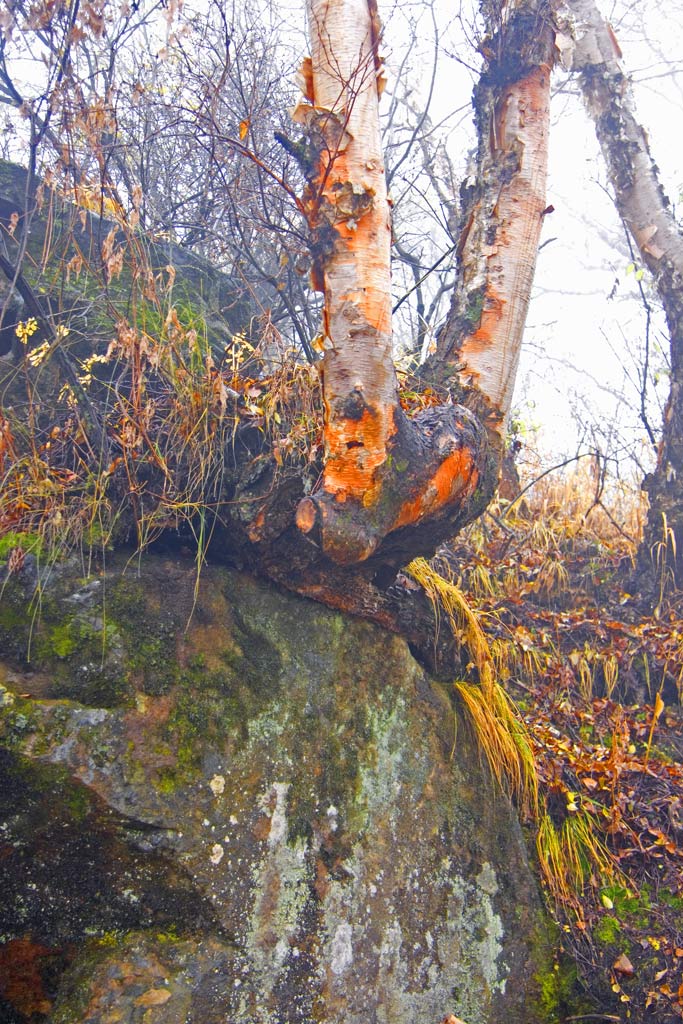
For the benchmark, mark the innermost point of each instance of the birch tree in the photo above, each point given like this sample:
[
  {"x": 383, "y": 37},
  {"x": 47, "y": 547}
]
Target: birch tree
[
  {"x": 590, "y": 48},
  {"x": 391, "y": 483}
]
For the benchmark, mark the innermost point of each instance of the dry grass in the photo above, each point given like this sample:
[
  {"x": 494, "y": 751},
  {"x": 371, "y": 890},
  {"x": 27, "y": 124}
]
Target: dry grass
[
  {"x": 500, "y": 729},
  {"x": 167, "y": 412},
  {"x": 581, "y": 500}
]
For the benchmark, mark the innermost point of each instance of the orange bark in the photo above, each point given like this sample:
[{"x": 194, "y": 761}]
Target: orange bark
[
  {"x": 490, "y": 354},
  {"x": 456, "y": 477},
  {"x": 349, "y": 197},
  {"x": 382, "y": 472},
  {"x": 356, "y": 448}
]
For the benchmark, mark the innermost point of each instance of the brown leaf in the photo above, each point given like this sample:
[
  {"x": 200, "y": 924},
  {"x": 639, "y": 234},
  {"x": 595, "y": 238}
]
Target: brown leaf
[{"x": 622, "y": 965}]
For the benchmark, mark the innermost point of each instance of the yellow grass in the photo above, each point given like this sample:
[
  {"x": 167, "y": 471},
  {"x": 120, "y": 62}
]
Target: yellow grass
[{"x": 498, "y": 725}]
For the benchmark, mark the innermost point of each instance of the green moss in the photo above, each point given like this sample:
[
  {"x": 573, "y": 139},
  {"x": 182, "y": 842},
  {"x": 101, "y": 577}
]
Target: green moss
[
  {"x": 108, "y": 940},
  {"x": 126, "y": 599},
  {"x": 76, "y": 650},
  {"x": 16, "y": 621},
  {"x": 62, "y": 639},
  {"x": 97, "y": 538},
  {"x": 77, "y": 802},
  {"x": 475, "y": 308},
  {"x": 204, "y": 715},
  {"x": 153, "y": 660},
  {"x": 151, "y": 664},
  {"x": 29, "y": 542},
  {"x": 634, "y": 910},
  {"x": 607, "y": 931},
  {"x": 559, "y": 992},
  {"x": 17, "y": 722},
  {"x": 670, "y": 899},
  {"x": 167, "y": 782},
  {"x": 629, "y": 907}
]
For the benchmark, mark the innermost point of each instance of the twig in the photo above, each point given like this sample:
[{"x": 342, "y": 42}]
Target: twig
[
  {"x": 559, "y": 465},
  {"x": 424, "y": 277},
  {"x": 593, "y": 1016}
]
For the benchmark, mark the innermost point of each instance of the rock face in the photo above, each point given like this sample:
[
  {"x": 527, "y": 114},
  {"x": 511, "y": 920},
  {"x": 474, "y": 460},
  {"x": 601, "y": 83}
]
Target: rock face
[{"x": 223, "y": 803}]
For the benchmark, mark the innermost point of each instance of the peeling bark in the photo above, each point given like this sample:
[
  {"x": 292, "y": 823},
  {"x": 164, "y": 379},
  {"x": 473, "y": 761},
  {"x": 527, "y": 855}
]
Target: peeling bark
[
  {"x": 590, "y": 48},
  {"x": 503, "y": 206},
  {"x": 348, "y": 209},
  {"x": 390, "y": 486},
  {"x": 382, "y": 472}
]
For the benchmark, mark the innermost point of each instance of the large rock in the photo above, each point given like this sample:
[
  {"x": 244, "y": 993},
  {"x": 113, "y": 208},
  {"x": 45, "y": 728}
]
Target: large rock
[{"x": 227, "y": 804}]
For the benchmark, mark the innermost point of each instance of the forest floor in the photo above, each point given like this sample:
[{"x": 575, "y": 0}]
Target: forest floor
[{"x": 598, "y": 678}]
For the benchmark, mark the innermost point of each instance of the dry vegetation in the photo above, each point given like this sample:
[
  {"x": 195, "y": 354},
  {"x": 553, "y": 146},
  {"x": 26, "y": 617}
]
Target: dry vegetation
[{"x": 572, "y": 685}]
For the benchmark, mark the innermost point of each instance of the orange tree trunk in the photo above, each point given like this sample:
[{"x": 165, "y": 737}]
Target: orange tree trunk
[{"x": 385, "y": 474}]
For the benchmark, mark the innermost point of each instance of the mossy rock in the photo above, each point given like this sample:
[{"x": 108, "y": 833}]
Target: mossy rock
[{"x": 308, "y": 783}]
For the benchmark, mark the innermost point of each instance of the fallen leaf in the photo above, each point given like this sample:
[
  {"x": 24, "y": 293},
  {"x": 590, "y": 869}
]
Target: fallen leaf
[{"x": 622, "y": 965}]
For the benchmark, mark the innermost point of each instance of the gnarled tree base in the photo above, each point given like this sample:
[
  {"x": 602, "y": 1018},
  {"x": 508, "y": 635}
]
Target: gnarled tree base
[{"x": 434, "y": 467}]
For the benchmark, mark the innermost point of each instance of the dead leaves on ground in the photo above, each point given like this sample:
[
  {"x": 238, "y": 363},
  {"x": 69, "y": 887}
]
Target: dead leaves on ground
[{"x": 599, "y": 680}]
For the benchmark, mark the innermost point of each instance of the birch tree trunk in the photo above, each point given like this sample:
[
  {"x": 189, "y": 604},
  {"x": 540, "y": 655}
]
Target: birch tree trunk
[
  {"x": 503, "y": 207},
  {"x": 384, "y": 473},
  {"x": 590, "y": 48}
]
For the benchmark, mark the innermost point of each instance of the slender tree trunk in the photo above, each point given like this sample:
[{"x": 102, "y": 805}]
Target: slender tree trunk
[
  {"x": 502, "y": 215},
  {"x": 349, "y": 211},
  {"x": 590, "y": 48}
]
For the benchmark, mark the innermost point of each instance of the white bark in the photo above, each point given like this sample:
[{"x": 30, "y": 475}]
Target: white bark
[
  {"x": 504, "y": 269},
  {"x": 593, "y": 50}
]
